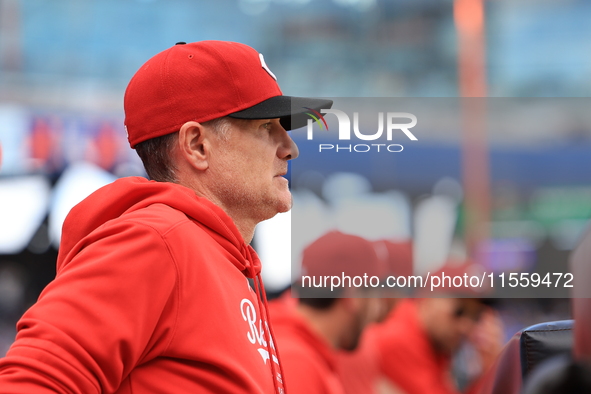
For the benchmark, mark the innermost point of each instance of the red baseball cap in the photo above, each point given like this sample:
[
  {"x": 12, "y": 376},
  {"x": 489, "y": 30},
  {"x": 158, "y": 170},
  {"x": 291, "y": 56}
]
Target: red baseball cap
[
  {"x": 206, "y": 80},
  {"x": 397, "y": 257},
  {"x": 455, "y": 281},
  {"x": 337, "y": 254}
]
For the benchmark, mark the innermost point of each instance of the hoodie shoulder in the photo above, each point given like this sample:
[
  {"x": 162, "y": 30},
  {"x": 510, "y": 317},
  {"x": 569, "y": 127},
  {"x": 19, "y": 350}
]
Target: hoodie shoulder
[
  {"x": 159, "y": 216},
  {"x": 160, "y": 203}
]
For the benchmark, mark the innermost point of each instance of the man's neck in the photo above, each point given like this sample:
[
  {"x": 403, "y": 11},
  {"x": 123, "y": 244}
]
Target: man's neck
[
  {"x": 244, "y": 225},
  {"x": 247, "y": 231}
]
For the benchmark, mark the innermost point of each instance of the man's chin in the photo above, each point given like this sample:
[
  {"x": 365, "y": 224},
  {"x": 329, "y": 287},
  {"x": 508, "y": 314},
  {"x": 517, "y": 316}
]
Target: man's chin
[
  {"x": 284, "y": 202},
  {"x": 289, "y": 203},
  {"x": 285, "y": 207},
  {"x": 279, "y": 205}
]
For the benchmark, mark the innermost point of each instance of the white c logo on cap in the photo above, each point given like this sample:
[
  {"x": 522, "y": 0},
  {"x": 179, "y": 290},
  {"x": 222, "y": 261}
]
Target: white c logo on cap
[{"x": 266, "y": 67}]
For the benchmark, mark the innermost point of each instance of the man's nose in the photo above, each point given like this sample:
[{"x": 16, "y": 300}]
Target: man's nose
[
  {"x": 288, "y": 149},
  {"x": 295, "y": 152}
]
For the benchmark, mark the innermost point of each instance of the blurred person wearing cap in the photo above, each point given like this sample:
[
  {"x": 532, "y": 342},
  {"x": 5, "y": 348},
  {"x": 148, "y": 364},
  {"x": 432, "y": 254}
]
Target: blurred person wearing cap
[
  {"x": 311, "y": 329},
  {"x": 359, "y": 370},
  {"x": 417, "y": 341},
  {"x": 152, "y": 290}
]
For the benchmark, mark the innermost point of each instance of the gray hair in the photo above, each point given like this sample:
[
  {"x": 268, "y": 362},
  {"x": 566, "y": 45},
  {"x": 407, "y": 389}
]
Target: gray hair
[{"x": 156, "y": 153}]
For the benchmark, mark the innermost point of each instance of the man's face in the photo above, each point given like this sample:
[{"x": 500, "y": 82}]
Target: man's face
[
  {"x": 248, "y": 165},
  {"x": 448, "y": 321}
]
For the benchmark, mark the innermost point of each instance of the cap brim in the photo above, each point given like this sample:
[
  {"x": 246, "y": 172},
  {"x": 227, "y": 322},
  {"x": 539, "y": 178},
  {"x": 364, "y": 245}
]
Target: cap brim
[{"x": 291, "y": 111}]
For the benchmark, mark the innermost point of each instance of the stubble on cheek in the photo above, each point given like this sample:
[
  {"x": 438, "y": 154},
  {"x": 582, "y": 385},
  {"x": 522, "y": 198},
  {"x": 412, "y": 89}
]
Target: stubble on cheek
[{"x": 247, "y": 198}]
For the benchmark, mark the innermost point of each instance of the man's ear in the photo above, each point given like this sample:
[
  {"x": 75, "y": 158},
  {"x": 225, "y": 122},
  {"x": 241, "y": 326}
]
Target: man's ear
[{"x": 194, "y": 144}]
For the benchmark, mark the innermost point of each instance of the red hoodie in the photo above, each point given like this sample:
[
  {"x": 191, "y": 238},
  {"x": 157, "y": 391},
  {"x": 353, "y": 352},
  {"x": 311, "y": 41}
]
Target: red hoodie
[
  {"x": 406, "y": 356},
  {"x": 151, "y": 296}
]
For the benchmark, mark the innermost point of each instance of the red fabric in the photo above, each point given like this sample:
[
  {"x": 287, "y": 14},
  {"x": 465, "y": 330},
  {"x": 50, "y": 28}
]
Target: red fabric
[
  {"x": 308, "y": 360},
  {"x": 150, "y": 296},
  {"x": 407, "y": 358},
  {"x": 107, "y": 146},
  {"x": 336, "y": 253},
  {"x": 397, "y": 257},
  {"x": 42, "y": 144},
  {"x": 581, "y": 299},
  {"x": 176, "y": 86}
]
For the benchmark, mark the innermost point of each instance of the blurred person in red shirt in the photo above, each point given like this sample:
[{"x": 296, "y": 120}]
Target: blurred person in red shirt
[
  {"x": 359, "y": 370},
  {"x": 311, "y": 329},
  {"x": 417, "y": 341}
]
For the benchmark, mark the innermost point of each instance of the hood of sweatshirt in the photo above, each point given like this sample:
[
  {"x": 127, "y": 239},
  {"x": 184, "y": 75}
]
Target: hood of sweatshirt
[{"x": 132, "y": 193}]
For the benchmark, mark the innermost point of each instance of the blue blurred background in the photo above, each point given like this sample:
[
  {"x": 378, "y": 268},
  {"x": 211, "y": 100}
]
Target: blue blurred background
[{"x": 64, "y": 65}]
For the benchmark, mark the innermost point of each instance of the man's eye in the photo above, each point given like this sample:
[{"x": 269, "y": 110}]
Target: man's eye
[{"x": 267, "y": 125}]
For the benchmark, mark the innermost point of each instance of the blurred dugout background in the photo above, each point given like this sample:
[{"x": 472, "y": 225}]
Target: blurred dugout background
[{"x": 64, "y": 65}]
